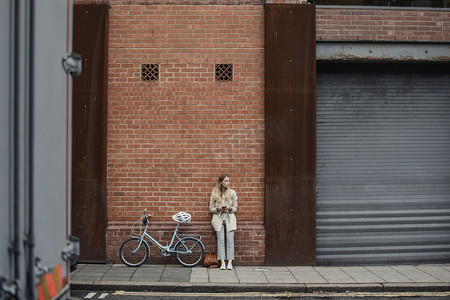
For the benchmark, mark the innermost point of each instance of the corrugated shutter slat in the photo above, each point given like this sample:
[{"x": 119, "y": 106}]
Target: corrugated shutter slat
[{"x": 383, "y": 167}]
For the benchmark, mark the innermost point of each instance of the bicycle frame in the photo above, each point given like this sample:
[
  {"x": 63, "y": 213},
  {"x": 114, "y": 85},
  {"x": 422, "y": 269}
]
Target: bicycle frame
[{"x": 169, "y": 248}]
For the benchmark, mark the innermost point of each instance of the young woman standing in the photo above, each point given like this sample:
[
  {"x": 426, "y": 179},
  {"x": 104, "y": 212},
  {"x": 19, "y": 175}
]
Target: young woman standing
[{"x": 223, "y": 205}]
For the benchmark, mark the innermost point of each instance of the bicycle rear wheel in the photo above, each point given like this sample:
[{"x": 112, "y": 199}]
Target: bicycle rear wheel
[
  {"x": 133, "y": 255},
  {"x": 196, "y": 248}
]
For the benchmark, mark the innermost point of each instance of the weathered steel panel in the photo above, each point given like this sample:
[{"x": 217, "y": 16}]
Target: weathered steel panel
[
  {"x": 290, "y": 134},
  {"x": 89, "y": 133},
  {"x": 382, "y": 52}
]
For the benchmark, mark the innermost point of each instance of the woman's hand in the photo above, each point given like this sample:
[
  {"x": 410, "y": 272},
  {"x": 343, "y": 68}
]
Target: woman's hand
[{"x": 223, "y": 208}]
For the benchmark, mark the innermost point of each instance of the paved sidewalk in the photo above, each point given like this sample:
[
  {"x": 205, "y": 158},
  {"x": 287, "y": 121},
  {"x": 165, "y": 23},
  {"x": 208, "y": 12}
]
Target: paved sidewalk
[{"x": 170, "y": 278}]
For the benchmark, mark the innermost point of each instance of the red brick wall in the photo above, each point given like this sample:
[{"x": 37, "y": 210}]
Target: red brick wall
[
  {"x": 382, "y": 25},
  {"x": 168, "y": 141}
]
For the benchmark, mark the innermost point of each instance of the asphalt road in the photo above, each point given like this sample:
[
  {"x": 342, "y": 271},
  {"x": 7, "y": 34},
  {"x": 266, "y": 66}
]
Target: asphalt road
[{"x": 113, "y": 295}]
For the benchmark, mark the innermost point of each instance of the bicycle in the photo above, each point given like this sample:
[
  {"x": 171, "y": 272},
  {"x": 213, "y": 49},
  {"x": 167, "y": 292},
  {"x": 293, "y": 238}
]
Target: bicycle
[{"x": 188, "y": 250}]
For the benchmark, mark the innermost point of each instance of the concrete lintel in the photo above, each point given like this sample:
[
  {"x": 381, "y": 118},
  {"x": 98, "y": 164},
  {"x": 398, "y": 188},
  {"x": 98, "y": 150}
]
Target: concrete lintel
[{"x": 386, "y": 51}]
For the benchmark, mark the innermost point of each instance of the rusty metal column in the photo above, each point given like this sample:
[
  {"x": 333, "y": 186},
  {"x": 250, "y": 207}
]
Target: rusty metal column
[
  {"x": 89, "y": 220},
  {"x": 290, "y": 112}
]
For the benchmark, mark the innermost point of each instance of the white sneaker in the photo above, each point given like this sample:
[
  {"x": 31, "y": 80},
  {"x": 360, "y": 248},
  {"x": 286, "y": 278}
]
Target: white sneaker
[
  {"x": 222, "y": 267},
  {"x": 230, "y": 267}
]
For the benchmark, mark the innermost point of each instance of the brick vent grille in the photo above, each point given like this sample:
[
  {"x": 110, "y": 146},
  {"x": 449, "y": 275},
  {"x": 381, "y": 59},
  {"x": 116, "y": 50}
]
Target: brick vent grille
[
  {"x": 224, "y": 72},
  {"x": 150, "y": 72}
]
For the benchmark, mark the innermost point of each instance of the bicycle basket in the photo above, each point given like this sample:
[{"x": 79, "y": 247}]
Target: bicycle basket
[
  {"x": 182, "y": 217},
  {"x": 137, "y": 228}
]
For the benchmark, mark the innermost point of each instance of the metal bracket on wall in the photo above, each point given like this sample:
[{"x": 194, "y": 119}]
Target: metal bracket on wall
[
  {"x": 7, "y": 289},
  {"x": 72, "y": 249},
  {"x": 72, "y": 64},
  {"x": 40, "y": 269}
]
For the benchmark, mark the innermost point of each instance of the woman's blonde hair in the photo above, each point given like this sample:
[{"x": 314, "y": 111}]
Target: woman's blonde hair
[{"x": 217, "y": 192}]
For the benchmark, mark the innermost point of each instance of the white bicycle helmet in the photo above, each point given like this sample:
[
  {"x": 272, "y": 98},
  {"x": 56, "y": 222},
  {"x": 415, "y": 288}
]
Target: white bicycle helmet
[{"x": 182, "y": 217}]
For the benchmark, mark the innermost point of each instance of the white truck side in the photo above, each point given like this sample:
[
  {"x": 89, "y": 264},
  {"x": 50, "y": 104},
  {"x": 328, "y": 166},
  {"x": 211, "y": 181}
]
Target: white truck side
[{"x": 35, "y": 146}]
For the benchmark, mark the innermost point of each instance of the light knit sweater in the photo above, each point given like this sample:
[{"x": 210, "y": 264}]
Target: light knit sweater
[{"x": 220, "y": 216}]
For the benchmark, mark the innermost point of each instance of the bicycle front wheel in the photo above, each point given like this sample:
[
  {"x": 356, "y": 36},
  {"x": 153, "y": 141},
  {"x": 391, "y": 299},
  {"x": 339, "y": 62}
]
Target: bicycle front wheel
[
  {"x": 133, "y": 255},
  {"x": 189, "y": 252}
]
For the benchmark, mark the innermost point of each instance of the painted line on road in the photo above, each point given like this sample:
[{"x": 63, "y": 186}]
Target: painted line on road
[{"x": 90, "y": 295}]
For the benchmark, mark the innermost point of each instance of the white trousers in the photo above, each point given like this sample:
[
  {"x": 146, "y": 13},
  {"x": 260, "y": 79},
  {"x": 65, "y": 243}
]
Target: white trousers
[{"x": 223, "y": 253}]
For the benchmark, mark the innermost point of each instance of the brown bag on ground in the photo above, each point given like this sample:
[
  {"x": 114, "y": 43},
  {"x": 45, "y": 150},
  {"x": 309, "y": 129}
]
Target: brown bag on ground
[{"x": 210, "y": 261}]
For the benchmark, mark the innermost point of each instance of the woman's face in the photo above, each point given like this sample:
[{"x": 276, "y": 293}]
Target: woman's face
[{"x": 226, "y": 182}]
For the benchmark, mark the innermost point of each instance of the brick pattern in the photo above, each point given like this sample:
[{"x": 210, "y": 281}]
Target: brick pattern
[
  {"x": 343, "y": 24},
  {"x": 168, "y": 141},
  {"x": 286, "y": 1}
]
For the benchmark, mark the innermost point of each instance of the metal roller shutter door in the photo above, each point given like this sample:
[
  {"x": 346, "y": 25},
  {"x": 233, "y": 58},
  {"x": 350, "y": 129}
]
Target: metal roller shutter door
[{"x": 383, "y": 167}]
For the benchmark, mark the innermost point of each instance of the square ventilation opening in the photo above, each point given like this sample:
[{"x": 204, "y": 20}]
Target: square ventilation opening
[
  {"x": 150, "y": 72},
  {"x": 224, "y": 72}
]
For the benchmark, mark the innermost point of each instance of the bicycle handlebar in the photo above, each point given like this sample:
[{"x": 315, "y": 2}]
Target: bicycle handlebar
[{"x": 146, "y": 217}]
